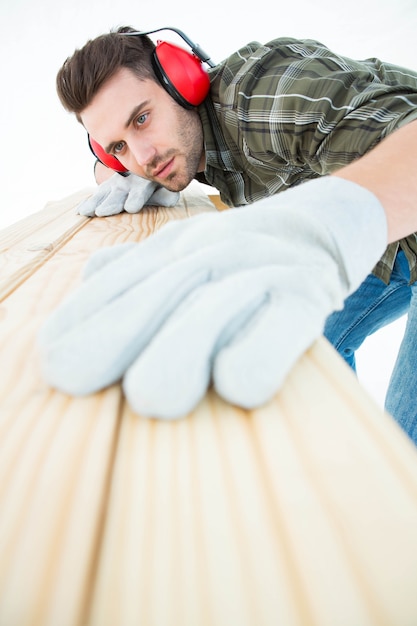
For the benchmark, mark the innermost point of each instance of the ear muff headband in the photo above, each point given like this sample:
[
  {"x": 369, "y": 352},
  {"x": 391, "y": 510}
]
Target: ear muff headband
[
  {"x": 195, "y": 48},
  {"x": 180, "y": 73}
]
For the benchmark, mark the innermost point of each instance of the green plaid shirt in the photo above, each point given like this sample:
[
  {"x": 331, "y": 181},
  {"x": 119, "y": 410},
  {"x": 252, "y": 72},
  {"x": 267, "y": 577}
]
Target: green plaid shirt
[{"x": 289, "y": 111}]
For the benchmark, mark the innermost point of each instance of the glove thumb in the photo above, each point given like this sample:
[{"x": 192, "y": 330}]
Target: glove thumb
[{"x": 164, "y": 197}]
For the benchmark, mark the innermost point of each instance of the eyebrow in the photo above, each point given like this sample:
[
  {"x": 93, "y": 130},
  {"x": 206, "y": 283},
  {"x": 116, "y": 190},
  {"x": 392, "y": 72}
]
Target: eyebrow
[{"x": 129, "y": 120}]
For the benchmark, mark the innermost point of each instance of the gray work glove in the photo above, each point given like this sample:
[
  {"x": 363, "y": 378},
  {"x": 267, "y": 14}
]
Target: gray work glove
[
  {"x": 233, "y": 297},
  {"x": 126, "y": 193}
]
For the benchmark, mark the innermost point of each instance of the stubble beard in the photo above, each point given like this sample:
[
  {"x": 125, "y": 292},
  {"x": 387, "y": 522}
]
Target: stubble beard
[{"x": 190, "y": 139}]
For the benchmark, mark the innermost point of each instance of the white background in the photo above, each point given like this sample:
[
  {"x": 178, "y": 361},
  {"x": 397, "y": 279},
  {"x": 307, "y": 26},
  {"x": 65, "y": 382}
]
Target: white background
[{"x": 44, "y": 155}]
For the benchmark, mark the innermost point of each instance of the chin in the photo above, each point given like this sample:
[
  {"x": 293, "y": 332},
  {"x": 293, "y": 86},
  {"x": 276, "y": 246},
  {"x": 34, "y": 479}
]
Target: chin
[{"x": 176, "y": 185}]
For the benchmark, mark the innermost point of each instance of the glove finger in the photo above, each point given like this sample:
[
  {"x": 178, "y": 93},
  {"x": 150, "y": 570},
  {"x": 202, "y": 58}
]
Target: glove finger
[
  {"x": 170, "y": 377},
  {"x": 139, "y": 195},
  {"x": 88, "y": 207},
  {"x": 112, "y": 204},
  {"x": 250, "y": 370},
  {"x": 164, "y": 197},
  {"x": 102, "y": 287},
  {"x": 96, "y": 352}
]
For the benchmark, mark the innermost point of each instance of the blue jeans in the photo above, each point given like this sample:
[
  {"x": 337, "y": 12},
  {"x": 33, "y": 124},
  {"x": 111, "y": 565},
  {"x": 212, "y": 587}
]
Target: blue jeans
[{"x": 372, "y": 306}]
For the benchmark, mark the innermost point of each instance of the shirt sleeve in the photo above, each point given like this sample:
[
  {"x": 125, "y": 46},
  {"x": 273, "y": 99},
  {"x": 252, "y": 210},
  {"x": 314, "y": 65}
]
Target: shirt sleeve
[{"x": 296, "y": 107}]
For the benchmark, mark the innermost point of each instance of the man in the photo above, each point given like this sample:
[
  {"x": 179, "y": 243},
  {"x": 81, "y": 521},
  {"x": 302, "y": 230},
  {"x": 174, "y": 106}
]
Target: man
[{"x": 276, "y": 116}]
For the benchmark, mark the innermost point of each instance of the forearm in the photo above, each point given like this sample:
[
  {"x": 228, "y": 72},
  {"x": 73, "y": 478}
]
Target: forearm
[{"x": 390, "y": 172}]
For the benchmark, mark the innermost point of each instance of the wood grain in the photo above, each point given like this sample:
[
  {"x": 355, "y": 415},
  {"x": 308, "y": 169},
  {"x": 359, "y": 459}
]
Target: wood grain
[{"x": 303, "y": 512}]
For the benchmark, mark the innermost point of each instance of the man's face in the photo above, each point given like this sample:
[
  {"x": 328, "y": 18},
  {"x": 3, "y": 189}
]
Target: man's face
[{"x": 151, "y": 135}]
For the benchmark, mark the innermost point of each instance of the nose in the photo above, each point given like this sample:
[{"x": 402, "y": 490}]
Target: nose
[{"x": 142, "y": 153}]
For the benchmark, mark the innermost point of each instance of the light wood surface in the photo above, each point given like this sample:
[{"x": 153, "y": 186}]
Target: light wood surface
[{"x": 301, "y": 513}]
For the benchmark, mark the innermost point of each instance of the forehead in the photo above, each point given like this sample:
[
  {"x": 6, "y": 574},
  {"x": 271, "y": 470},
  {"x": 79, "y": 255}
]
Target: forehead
[{"x": 110, "y": 108}]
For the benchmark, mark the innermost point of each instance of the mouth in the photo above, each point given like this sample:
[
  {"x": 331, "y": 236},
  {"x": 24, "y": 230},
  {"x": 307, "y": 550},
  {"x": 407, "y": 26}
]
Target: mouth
[{"x": 164, "y": 170}]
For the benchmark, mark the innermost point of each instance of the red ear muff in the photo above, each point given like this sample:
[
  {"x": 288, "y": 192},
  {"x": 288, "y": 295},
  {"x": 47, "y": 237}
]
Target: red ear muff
[
  {"x": 181, "y": 74},
  {"x": 107, "y": 159}
]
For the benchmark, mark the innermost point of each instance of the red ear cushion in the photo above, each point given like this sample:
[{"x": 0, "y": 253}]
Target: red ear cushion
[
  {"x": 184, "y": 71},
  {"x": 107, "y": 159}
]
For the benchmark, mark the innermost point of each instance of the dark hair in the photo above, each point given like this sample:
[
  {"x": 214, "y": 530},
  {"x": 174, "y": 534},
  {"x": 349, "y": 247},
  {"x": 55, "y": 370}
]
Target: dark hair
[{"x": 82, "y": 74}]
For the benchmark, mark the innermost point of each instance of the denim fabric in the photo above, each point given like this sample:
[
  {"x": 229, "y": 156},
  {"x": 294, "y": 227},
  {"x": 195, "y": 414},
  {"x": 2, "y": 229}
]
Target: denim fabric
[{"x": 372, "y": 306}]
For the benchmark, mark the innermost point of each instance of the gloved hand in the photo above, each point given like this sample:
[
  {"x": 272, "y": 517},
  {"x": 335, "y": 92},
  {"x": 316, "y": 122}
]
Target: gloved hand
[
  {"x": 126, "y": 193},
  {"x": 232, "y": 297}
]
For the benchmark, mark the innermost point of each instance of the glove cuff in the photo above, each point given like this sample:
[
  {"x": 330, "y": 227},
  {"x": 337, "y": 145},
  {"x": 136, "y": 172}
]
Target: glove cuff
[
  {"x": 357, "y": 222},
  {"x": 352, "y": 216}
]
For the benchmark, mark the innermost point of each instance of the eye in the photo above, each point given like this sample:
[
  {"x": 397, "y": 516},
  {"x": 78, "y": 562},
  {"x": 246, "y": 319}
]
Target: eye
[
  {"x": 118, "y": 147},
  {"x": 141, "y": 119}
]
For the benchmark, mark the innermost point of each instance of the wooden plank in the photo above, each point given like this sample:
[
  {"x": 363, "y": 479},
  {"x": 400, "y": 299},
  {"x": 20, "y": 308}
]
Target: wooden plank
[
  {"x": 28, "y": 244},
  {"x": 301, "y": 513},
  {"x": 56, "y": 453}
]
